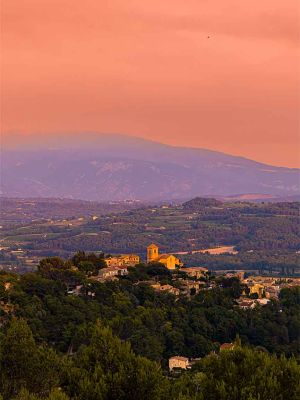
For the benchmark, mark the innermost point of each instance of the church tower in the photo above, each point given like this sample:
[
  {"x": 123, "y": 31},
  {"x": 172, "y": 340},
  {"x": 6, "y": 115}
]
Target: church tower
[{"x": 152, "y": 253}]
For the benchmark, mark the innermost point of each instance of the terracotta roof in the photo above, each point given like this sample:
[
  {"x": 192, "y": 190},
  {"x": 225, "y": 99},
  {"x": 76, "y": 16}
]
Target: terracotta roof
[
  {"x": 161, "y": 256},
  {"x": 226, "y": 346}
]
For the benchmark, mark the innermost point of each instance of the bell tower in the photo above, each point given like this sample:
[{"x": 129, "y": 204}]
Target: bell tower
[{"x": 152, "y": 253}]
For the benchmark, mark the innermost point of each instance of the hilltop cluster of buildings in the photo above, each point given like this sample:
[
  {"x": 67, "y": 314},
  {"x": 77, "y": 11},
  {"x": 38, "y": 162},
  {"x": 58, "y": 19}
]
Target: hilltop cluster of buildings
[
  {"x": 269, "y": 287},
  {"x": 259, "y": 290},
  {"x": 188, "y": 281},
  {"x": 118, "y": 265}
]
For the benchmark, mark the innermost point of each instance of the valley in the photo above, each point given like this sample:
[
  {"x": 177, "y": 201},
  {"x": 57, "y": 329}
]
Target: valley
[{"x": 205, "y": 232}]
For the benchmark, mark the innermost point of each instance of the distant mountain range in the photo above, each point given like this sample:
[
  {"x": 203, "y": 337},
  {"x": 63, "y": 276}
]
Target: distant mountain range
[{"x": 116, "y": 167}]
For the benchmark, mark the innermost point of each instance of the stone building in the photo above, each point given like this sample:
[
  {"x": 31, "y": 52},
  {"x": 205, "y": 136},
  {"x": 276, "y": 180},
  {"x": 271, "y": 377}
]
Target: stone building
[
  {"x": 178, "y": 362},
  {"x": 123, "y": 260},
  {"x": 169, "y": 260}
]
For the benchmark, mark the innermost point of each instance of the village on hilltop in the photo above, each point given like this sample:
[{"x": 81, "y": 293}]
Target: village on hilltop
[
  {"x": 170, "y": 276},
  {"x": 258, "y": 290},
  {"x": 188, "y": 281}
]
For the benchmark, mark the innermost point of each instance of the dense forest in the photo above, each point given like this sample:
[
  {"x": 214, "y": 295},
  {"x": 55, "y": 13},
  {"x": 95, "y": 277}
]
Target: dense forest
[{"x": 114, "y": 339}]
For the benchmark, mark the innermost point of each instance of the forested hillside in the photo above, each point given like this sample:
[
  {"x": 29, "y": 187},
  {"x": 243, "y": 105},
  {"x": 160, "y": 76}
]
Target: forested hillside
[{"x": 112, "y": 341}]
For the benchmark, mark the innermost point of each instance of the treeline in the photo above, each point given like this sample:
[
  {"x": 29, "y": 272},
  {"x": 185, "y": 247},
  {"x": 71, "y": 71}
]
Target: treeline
[
  {"x": 213, "y": 206},
  {"x": 106, "y": 368}
]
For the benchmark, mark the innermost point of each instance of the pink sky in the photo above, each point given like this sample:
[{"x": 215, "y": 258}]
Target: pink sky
[{"x": 147, "y": 68}]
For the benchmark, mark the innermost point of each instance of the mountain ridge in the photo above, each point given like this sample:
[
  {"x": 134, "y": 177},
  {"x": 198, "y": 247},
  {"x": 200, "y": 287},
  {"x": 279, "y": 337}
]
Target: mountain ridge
[
  {"x": 87, "y": 140},
  {"x": 117, "y": 167}
]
